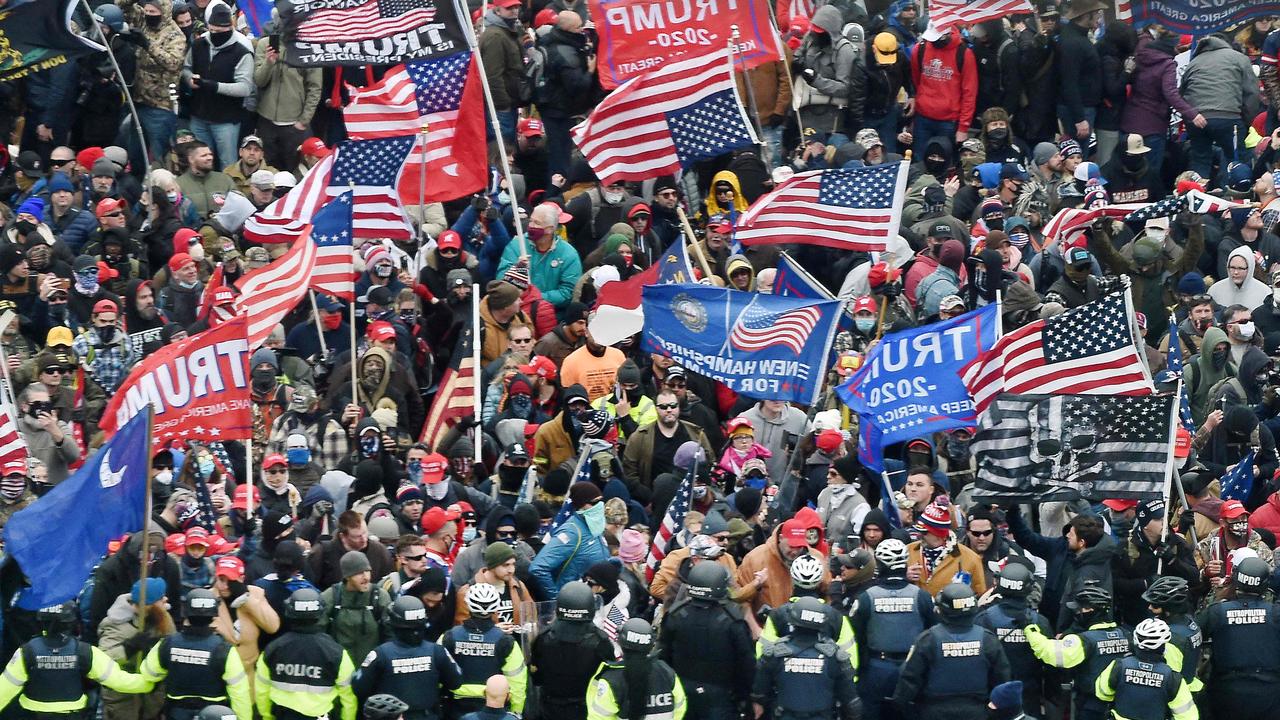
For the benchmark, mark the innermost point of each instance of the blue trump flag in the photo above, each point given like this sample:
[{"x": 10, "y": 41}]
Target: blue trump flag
[
  {"x": 762, "y": 346},
  {"x": 58, "y": 539},
  {"x": 791, "y": 280},
  {"x": 910, "y": 384}
]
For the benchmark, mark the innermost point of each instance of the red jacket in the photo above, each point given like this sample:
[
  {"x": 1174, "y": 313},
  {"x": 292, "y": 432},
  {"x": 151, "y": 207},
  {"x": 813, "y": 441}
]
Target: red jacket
[
  {"x": 540, "y": 311},
  {"x": 938, "y": 96},
  {"x": 1267, "y": 515}
]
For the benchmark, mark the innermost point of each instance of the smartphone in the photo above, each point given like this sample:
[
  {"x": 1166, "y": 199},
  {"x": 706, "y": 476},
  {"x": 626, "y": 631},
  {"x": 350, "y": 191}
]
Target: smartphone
[{"x": 273, "y": 41}]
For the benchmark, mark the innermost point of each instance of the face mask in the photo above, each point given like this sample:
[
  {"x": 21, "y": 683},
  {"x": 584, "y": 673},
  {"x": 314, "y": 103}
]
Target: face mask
[
  {"x": 998, "y": 138},
  {"x": 218, "y": 39},
  {"x": 24, "y": 227},
  {"x": 263, "y": 379},
  {"x": 1220, "y": 358},
  {"x": 409, "y": 318},
  {"x": 821, "y": 39},
  {"x": 370, "y": 444},
  {"x": 298, "y": 456},
  {"x": 13, "y": 494},
  {"x": 995, "y": 223},
  {"x": 935, "y": 167},
  {"x": 699, "y": 492},
  {"x": 438, "y": 490},
  {"x": 331, "y": 321},
  {"x": 613, "y": 198},
  {"x": 415, "y": 471},
  {"x": 196, "y": 252},
  {"x": 864, "y": 325},
  {"x": 87, "y": 282},
  {"x": 1019, "y": 240},
  {"x": 504, "y": 198},
  {"x": 468, "y": 535},
  {"x": 594, "y": 517},
  {"x": 106, "y": 334},
  {"x": 153, "y": 21},
  {"x": 172, "y": 197},
  {"x": 754, "y": 480},
  {"x": 521, "y": 405},
  {"x": 1245, "y": 330},
  {"x": 164, "y": 477},
  {"x": 957, "y": 449},
  {"x": 186, "y": 30},
  {"x": 1239, "y": 529},
  {"x": 536, "y": 233},
  {"x": 1132, "y": 162},
  {"x": 383, "y": 270},
  {"x": 205, "y": 466}
]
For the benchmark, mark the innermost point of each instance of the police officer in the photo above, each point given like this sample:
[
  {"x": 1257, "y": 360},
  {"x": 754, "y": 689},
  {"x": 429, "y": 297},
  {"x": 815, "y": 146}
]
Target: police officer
[
  {"x": 1089, "y": 651},
  {"x": 887, "y": 618},
  {"x": 566, "y": 655},
  {"x": 708, "y": 643},
  {"x": 408, "y": 667},
  {"x": 1006, "y": 618},
  {"x": 806, "y": 576},
  {"x": 1142, "y": 686},
  {"x": 385, "y": 707},
  {"x": 1169, "y": 598},
  {"x": 196, "y": 665},
  {"x": 216, "y": 712},
  {"x": 303, "y": 672},
  {"x": 805, "y": 675},
  {"x": 639, "y": 687},
  {"x": 953, "y": 666},
  {"x": 49, "y": 673},
  {"x": 1243, "y": 639},
  {"x": 482, "y": 649}
]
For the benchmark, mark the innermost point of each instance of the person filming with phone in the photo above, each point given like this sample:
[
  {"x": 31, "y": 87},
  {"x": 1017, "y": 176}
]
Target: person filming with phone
[{"x": 48, "y": 439}]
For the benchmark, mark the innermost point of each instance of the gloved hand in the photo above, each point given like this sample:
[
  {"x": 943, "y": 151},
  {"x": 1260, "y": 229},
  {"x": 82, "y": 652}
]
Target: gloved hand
[
  {"x": 139, "y": 643},
  {"x": 1167, "y": 552},
  {"x": 775, "y": 121},
  {"x": 809, "y": 75},
  {"x": 480, "y": 202}
]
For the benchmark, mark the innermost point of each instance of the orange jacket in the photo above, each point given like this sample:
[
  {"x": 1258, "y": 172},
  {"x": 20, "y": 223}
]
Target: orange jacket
[
  {"x": 777, "y": 588},
  {"x": 958, "y": 559}
]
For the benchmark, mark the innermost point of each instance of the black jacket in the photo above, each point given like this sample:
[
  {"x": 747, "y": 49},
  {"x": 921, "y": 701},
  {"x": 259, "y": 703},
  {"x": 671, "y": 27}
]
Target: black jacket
[
  {"x": 571, "y": 88},
  {"x": 1079, "y": 72}
]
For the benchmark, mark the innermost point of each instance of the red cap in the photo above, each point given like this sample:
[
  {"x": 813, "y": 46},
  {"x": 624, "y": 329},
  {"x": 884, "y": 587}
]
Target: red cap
[
  {"x": 506, "y": 3},
  {"x": 230, "y": 567},
  {"x": 546, "y": 16},
  {"x": 436, "y": 518},
  {"x": 532, "y": 127},
  {"x": 223, "y": 295},
  {"x": 866, "y": 303},
  {"x": 563, "y": 218},
  {"x": 273, "y": 460},
  {"x": 179, "y": 261},
  {"x": 1233, "y": 509},
  {"x": 433, "y": 467},
  {"x": 881, "y": 273},
  {"x": 239, "y": 499},
  {"x": 542, "y": 366},
  {"x": 793, "y": 534},
  {"x": 1120, "y": 504},
  {"x": 314, "y": 147},
  {"x": 197, "y": 536},
  {"x": 184, "y": 238},
  {"x": 380, "y": 330},
  {"x": 105, "y": 306},
  {"x": 15, "y": 467},
  {"x": 106, "y": 206},
  {"x": 829, "y": 440},
  {"x": 175, "y": 544},
  {"x": 449, "y": 240},
  {"x": 817, "y": 29},
  {"x": 222, "y": 546},
  {"x": 88, "y": 156}
]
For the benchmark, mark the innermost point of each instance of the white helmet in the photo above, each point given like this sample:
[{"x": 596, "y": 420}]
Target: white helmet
[
  {"x": 892, "y": 553},
  {"x": 1151, "y": 634},
  {"x": 483, "y": 599},
  {"x": 806, "y": 572}
]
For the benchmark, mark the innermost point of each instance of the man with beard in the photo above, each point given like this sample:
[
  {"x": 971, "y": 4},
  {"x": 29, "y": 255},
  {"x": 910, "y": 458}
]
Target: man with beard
[
  {"x": 180, "y": 298},
  {"x": 566, "y": 337},
  {"x": 48, "y": 440},
  {"x": 103, "y": 349},
  {"x": 270, "y": 397},
  {"x": 117, "y": 254},
  {"x": 1214, "y": 553},
  {"x": 75, "y": 399},
  {"x": 201, "y": 184},
  {"x": 692, "y": 408},
  {"x": 653, "y": 448}
]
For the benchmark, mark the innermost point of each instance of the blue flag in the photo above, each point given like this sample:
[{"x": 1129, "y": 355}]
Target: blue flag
[
  {"x": 58, "y": 539},
  {"x": 763, "y": 346},
  {"x": 674, "y": 266},
  {"x": 910, "y": 385},
  {"x": 792, "y": 280},
  {"x": 1237, "y": 484},
  {"x": 1174, "y": 365}
]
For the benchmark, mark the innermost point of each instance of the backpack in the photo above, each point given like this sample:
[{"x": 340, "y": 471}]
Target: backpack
[
  {"x": 918, "y": 57},
  {"x": 534, "y": 80}
]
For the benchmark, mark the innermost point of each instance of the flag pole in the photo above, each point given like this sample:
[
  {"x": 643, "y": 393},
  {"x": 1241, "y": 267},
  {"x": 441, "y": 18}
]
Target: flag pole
[
  {"x": 146, "y": 520},
  {"x": 734, "y": 34},
  {"x": 315, "y": 315},
  {"x": 355, "y": 397},
  {"x": 476, "y": 399},
  {"x": 422, "y": 184},
  {"x": 6, "y": 318},
  {"x": 693, "y": 240},
  {"x": 1169, "y": 469},
  {"x": 248, "y": 477},
  {"x": 786, "y": 63},
  {"x": 128, "y": 96},
  {"x": 502, "y": 146}
]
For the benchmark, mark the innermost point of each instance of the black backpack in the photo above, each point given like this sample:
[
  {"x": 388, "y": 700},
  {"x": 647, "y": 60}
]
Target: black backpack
[{"x": 533, "y": 82}]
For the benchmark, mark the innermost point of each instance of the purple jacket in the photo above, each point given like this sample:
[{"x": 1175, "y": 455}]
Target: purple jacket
[{"x": 1153, "y": 90}]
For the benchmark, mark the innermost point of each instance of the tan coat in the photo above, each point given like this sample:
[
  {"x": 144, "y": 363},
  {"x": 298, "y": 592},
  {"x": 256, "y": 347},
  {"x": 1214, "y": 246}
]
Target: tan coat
[
  {"x": 960, "y": 558},
  {"x": 777, "y": 588},
  {"x": 256, "y": 617}
]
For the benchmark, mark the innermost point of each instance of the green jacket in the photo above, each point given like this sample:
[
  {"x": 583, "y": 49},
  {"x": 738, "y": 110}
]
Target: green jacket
[
  {"x": 355, "y": 619},
  {"x": 286, "y": 94},
  {"x": 201, "y": 191}
]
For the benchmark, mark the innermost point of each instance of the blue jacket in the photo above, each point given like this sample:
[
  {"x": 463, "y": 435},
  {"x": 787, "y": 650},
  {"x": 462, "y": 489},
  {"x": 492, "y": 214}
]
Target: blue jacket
[
  {"x": 566, "y": 556},
  {"x": 488, "y": 254},
  {"x": 75, "y": 227}
]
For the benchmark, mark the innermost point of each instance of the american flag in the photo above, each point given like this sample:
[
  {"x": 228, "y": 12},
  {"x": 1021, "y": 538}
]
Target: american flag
[
  {"x": 445, "y": 96},
  {"x": 583, "y": 474},
  {"x": 672, "y": 523},
  {"x": 614, "y": 617},
  {"x": 270, "y": 292},
  {"x": 758, "y": 328},
  {"x": 371, "y": 19},
  {"x": 206, "y": 517},
  {"x": 1202, "y": 202},
  {"x": 666, "y": 119},
  {"x": 286, "y": 218},
  {"x": 1089, "y": 350},
  {"x": 1237, "y": 484},
  {"x": 1070, "y": 222},
  {"x": 853, "y": 209},
  {"x": 12, "y": 446},
  {"x": 1168, "y": 207},
  {"x": 1036, "y": 448},
  {"x": 949, "y": 13},
  {"x": 455, "y": 397},
  {"x": 1174, "y": 365},
  {"x": 335, "y": 272}
]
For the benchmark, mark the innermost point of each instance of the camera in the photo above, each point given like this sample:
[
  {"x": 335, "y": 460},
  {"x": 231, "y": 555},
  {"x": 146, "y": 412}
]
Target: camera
[{"x": 38, "y": 407}]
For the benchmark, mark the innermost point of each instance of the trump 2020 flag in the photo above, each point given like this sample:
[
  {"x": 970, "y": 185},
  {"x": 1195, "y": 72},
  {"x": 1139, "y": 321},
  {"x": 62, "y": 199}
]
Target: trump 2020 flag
[
  {"x": 910, "y": 386},
  {"x": 1042, "y": 448},
  {"x": 762, "y": 346},
  {"x": 59, "y": 538}
]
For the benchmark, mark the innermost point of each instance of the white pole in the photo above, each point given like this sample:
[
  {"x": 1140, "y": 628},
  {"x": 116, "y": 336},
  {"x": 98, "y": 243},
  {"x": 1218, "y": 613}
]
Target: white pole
[
  {"x": 315, "y": 313},
  {"x": 502, "y": 149},
  {"x": 476, "y": 397},
  {"x": 128, "y": 96}
]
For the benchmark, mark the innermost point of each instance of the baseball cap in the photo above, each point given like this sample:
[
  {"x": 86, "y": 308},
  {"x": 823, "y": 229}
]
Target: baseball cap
[
  {"x": 866, "y": 303},
  {"x": 380, "y": 330},
  {"x": 517, "y": 451},
  {"x": 263, "y": 179},
  {"x": 30, "y": 164},
  {"x": 197, "y": 536},
  {"x": 251, "y": 140},
  {"x": 886, "y": 48},
  {"x": 1120, "y": 504},
  {"x": 314, "y": 147},
  {"x": 239, "y": 499},
  {"x": 793, "y": 534},
  {"x": 542, "y": 366},
  {"x": 433, "y": 467},
  {"x": 951, "y": 301},
  {"x": 720, "y": 223},
  {"x": 106, "y": 206},
  {"x": 436, "y": 518},
  {"x": 229, "y": 567},
  {"x": 60, "y": 335},
  {"x": 1233, "y": 509},
  {"x": 284, "y": 179},
  {"x": 104, "y": 306},
  {"x": 449, "y": 240},
  {"x": 530, "y": 127},
  {"x": 563, "y": 217},
  {"x": 179, "y": 260},
  {"x": 273, "y": 460},
  {"x": 1078, "y": 256},
  {"x": 942, "y": 230},
  {"x": 1088, "y": 171},
  {"x": 1013, "y": 171}
]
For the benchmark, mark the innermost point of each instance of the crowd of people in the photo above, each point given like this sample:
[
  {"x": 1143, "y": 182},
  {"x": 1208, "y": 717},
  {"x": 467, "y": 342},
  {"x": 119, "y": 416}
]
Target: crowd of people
[{"x": 498, "y": 566}]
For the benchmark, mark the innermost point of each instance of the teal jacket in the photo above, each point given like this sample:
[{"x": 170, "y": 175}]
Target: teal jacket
[{"x": 554, "y": 272}]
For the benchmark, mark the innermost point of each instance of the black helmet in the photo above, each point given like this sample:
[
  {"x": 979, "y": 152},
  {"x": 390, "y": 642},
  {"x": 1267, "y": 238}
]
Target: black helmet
[
  {"x": 1014, "y": 580},
  {"x": 1250, "y": 575},
  {"x": 576, "y": 603},
  {"x": 1092, "y": 596},
  {"x": 63, "y": 613},
  {"x": 216, "y": 712},
  {"x": 808, "y": 613},
  {"x": 636, "y": 635},
  {"x": 408, "y": 612},
  {"x": 956, "y": 601},
  {"x": 384, "y": 707},
  {"x": 304, "y": 606},
  {"x": 200, "y": 603},
  {"x": 1168, "y": 592},
  {"x": 708, "y": 580}
]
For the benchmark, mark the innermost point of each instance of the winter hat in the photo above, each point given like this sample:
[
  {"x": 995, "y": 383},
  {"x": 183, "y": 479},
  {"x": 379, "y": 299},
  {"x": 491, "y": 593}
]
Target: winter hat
[
  {"x": 10, "y": 256},
  {"x": 275, "y": 524},
  {"x": 632, "y": 546},
  {"x": 714, "y": 524},
  {"x": 1191, "y": 284},
  {"x": 33, "y": 207},
  {"x": 457, "y": 277},
  {"x": 527, "y": 520},
  {"x": 58, "y": 182},
  {"x": 687, "y": 454},
  {"x": 629, "y": 372},
  {"x": 408, "y": 494},
  {"x": 1043, "y": 152},
  {"x": 103, "y": 167},
  {"x": 264, "y": 355},
  {"x": 1147, "y": 511},
  {"x": 497, "y": 553},
  {"x": 951, "y": 255},
  {"x": 604, "y": 574},
  {"x": 502, "y": 294},
  {"x": 595, "y": 423},
  {"x": 1069, "y": 147},
  {"x": 936, "y": 519},
  {"x": 847, "y": 467},
  {"x": 556, "y": 482},
  {"x": 991, "y": 206},
  {"x": 747, "y": 501},
  {"x": 519, "y": 385},
  {"x": 155, "y": 590},
  {"x": 1007, "y": 696},
  {"x": 353, "y": 562},
  {"x": 518, "y": 275},
  {"x": 582, "y": 494}
]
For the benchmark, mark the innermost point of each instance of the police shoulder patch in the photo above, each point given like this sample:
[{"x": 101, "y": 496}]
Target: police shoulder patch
[{"x": 368, "y": 659}]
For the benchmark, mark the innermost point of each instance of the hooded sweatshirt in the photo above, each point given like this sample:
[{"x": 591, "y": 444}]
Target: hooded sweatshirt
[
  {"x": 1201, "y": 374},
  {"x": 1251, "y": 293},
  {"x": 160, "y": 61}
]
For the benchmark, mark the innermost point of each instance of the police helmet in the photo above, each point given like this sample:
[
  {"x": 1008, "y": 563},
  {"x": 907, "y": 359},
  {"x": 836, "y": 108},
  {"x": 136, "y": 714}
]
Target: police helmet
[
  {"x": 708, "y": 580},
  {"x": 575, "y": 603},
  {"x": 1014, "y": 580},
  {"x": 1151, "y": 634},
  {"x": 892, "y": 554},
  {"x": 808, "y": 613},
  {"x": 1092, "y": 596},
  {"x": 1250, "y": 575},
  {"x": 483, "y": 599},
  {"x": 408, "y": 612},
  {"x": 63, "y": 613},
  {"x": 200, "y": 603},
  {"x": 956, "y": 601},
  {"x": 1168, "y": 592},
  {"x": 216, "y": 712},
  {"x": 636, "y": 635},
  {"x": 806, "y": 572},
  {"x": 384, "y": 707},
  {"x": 304, "y": 606}
]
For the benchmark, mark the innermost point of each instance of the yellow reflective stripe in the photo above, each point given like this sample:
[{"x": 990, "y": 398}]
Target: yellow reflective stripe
[
  {"x": 107, "y": 672},
  {"x": 514, "y": 672},
  {"x": 300, "y": 688},
  {"x": 220, "y": 698},
  {"x": 1184, "y": 707},
  {"x": 1059, "y": 658},
  {"x": 470, "y": 690},
  {"x": 600, "y": 709},
  {"x": 53, "y": 707}
]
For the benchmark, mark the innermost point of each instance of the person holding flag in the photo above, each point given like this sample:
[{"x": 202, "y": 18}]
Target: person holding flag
[{"x": 574, "y": 546}]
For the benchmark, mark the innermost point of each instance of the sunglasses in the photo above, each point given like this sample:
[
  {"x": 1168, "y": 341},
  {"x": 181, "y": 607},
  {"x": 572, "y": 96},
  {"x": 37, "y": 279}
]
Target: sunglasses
[
  {"x": 448, "y": 251},
  {"x": 59, "y": 163},
  {"x": 53, "y": 371},
  {"x": 522, "y": 340},
  {"x": 414, "y": 558},
  {"x": 981, "y": 533},
  {"x": 675, "y": 383},
  {"x": 668, "y": 406},
  {"x": 113, "y": 214},
  {"x": 506, "y": 535},
  {"x": 667, "y": 193}
]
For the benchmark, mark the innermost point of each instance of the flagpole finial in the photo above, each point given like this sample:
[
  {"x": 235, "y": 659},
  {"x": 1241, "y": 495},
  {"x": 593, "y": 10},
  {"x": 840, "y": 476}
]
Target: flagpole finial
[{"x": 734, "y": 33}]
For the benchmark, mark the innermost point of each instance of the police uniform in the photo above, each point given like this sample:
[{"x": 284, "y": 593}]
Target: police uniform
[
  {"x": 301, "y": 674},
  {"x": 887, "y": 618},
  {"x": 198, "y": 669},
  {"x": 801, "y": 681},
  {"x": 1006, "y": 619},
  {"x": 838, "y": 630},
  {"x": 1188, "y": 639},
  {"x": 562, "y": 662},
  {"x": 1089, "y": 652},
  {"x": 482, "y": 650},
  {"x": 49, "y": 679},
  {"x": 1245, "y": 664},
  {"x": 1143, "y": 687},
  {"x": 709, "y": 646},
  {"x": 412, "y": 673},
  {"x": 607, "y": 696},
  {"x": 950, "y": 671}
]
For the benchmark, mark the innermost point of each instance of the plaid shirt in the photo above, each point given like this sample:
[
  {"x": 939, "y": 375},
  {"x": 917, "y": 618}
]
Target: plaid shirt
[
  {"x": 107, "y": 364},
  {"x": 327, "y": 451}
]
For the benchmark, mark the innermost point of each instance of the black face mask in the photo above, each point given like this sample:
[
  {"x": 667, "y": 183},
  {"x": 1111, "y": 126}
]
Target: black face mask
[
  {"x": 153, "y": 22},
  {"x": 218, "y": 39},
  {"x": 633, "y": 396},
  {"x": 935, "y": 167},
  {"x": 821, "y": 39},
  {"x": 1219, "y": 358},
  {"x": 998, "y": 138},
  {"x": 106, "y": 334},
  {"x": 24, "y": 227},
  {"x": 1132, "y": 162},
  {"x": 262, "y": 380}
]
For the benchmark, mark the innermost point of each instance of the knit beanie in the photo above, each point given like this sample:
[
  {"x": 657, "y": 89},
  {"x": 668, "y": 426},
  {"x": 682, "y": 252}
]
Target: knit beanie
[
  {"x": 936, "y": 519},
  {"x": 556, "y": 482},
  {"x": 747, "y": 501},
  {"x": 951, "y": 255},
  {"x": 497, "y": 553},
  {"x": 583, "y": 493},
  {"x": 518, "y": 274},
  {"x": 353, "y": 562},
  {"x": 1191, "y": 284},
  {"x": 605, "y": 574},
  {"x": 502, "y": 294},
  {"x": 33, "y": 207},
  {"x": 631, "y": 546}
]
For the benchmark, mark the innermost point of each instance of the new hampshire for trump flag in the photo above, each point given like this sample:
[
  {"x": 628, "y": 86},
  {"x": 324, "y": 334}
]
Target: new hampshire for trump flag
[
  {"x": 1041, "y": 448},
  {"x": 762, "y": 346},
  {"x": 59, "y": 538}
]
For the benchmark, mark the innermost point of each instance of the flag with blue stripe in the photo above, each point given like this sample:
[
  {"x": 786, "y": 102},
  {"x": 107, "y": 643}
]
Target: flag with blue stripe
[
  {"x": 792, "y": 280},
  {"x": 1237, "y": 484},
  {"x": 1174, "y": 366}
]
